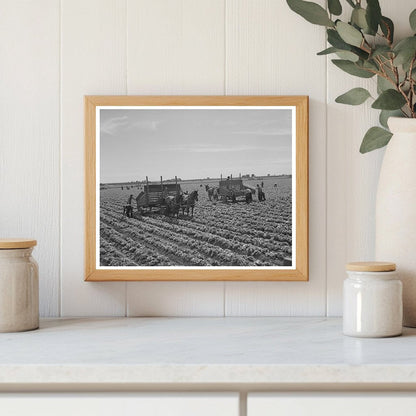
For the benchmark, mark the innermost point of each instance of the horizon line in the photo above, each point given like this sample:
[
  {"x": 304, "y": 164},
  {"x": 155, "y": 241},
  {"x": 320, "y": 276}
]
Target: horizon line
[{"x": 200, "y": 179}]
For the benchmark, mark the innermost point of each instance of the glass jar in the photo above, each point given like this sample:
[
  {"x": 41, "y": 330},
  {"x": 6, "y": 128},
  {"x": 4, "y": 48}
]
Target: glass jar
[
  {"x": 372, "y": 300},
  {"x": 19, "y": 286}
]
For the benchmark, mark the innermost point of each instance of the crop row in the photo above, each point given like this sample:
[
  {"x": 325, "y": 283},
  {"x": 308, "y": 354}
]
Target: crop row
[
  {"x": 247, "y": 224},
  {"x": 134, "y": 253},
  {"x": 233, "y": 239},
  {"x": 218, "y": 235},
  {"x": 201, "y": 249},
  {"x": 156, "y": 245}
]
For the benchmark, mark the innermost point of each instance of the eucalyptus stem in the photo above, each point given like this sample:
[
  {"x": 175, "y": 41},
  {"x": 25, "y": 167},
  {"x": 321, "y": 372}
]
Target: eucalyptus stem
[{"x": 411, "y": 92}]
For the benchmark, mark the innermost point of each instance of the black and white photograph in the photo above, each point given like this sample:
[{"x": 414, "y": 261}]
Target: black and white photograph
[{"x": 201, "y": 187}]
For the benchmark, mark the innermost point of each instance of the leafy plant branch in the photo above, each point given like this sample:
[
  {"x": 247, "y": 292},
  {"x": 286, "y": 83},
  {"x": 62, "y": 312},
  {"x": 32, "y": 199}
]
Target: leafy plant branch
[{"x": 366, "y": 48}]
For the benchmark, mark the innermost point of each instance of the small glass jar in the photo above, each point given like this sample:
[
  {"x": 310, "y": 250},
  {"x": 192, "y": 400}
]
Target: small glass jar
[
  {"x": 19, "y": 286},
  {"x": 372, "y": 300}
]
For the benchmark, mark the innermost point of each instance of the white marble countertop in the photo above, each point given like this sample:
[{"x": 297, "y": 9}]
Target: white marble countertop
[{"x": 184, "y": 352}]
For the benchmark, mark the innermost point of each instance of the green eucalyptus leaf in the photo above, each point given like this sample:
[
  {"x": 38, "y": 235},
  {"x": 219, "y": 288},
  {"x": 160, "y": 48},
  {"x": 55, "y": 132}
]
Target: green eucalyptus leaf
[
  {"x": 334, "y": 7},
  {"x": 358, "y": 18},
  {"x": 375, "y": 138},
  {"x": 383, "y": 84},
  {"x": 371, "y": 64},
  {"x": 381, "y": 50},
  {"x": 387, "y": 27},
  {"x": 389, "y": 100},
  {"x": 349, "y": 34},
  {"x": 392, "y": 75},
  {"x": 361, "y": 53},
  {"x": 335, "y": 40},
  {"x": 405, "y": 51},
  {"x": 386, "y": 114},
  {"x": 373, "y": 15},
  {"x": 412, "y": 20},
  {"x": 327, "y": 51},
  {"x": 352, "y": 68},
  {"x": 311, "y": 12},
  {"x": 356, "y": 96},
  {"x": 348, "y": 56},
  {"x": 405, "y": 43}
]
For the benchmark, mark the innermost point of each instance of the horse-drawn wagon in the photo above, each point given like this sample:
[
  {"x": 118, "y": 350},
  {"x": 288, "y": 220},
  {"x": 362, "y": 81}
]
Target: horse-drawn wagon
[
  {"x": 232, "y": 188},
  {"x": 165, "y": 198},
  {"x": 155, "y": 196}
]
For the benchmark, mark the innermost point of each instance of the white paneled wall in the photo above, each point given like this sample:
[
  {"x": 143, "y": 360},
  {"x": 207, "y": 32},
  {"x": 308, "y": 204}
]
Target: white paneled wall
[
  {"x": 29, "y": 134},
  {"x": 56, "y": 51},
  {"x": 93, "y": 61}
]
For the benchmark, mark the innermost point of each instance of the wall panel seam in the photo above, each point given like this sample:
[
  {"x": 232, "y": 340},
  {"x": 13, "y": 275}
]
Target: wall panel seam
[
  {"x": 126, "y": 4},
  {"x": 225, "y": 51},
  {"x": 326, "y": 183},
  {"x": 60, "y": 162}
]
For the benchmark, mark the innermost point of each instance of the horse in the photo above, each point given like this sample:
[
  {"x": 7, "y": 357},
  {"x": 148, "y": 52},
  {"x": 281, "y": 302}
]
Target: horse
[
  {"x": 188, "y": 201},
  {"x": 173, "y": 205},
  {"x": 212, "y": 192}
]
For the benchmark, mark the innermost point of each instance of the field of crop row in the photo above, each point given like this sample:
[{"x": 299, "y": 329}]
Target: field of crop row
[{"x": 219, "y": 234}]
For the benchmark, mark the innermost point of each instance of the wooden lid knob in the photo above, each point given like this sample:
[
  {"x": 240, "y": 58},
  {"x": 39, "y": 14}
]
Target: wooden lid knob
[
  {"x": 371, "y": 266},
  {"x": 11, "y": 243}
]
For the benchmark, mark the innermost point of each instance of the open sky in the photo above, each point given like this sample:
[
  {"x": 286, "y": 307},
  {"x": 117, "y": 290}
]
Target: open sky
[{"x": 193, "y": 143}]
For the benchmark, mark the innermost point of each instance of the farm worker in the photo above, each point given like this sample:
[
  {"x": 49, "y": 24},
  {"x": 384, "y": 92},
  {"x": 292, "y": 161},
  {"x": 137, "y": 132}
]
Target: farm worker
[
  {"x": 128, "y": 208},
  {"x": 260, "y": 194},
  {"x": 249, "y": 196},
  {"x": 262, "y": 184},
  {"x": 210, "y": 192},
  {"x": 259, "y": 191}
]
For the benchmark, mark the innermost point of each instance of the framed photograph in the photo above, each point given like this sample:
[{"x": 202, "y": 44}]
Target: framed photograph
[{"x": 196, "y": 188}]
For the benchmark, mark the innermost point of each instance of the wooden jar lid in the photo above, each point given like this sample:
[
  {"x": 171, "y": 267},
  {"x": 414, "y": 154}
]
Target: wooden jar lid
[
  {"x": 371, "y": 266},
  {"x": 11, "y": 243}
]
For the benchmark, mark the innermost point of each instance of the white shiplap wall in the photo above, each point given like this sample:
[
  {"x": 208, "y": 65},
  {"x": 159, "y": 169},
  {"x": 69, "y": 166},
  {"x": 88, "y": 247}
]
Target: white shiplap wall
[
  {"x": 55, "y": 52},
  {"x": 29, "y": 134}
]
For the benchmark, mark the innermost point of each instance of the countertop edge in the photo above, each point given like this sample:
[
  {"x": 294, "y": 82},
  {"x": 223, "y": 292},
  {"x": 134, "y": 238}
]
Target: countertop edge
[{"x": 207, "y": 374}]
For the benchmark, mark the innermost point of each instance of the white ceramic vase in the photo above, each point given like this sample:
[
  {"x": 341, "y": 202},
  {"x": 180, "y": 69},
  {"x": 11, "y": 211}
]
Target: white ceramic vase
[{"x": 396, "y": 210}]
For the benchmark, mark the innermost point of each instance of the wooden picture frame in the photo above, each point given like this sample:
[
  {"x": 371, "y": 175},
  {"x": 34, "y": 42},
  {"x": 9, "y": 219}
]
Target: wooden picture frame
[{"x": 95, "y": 271}]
